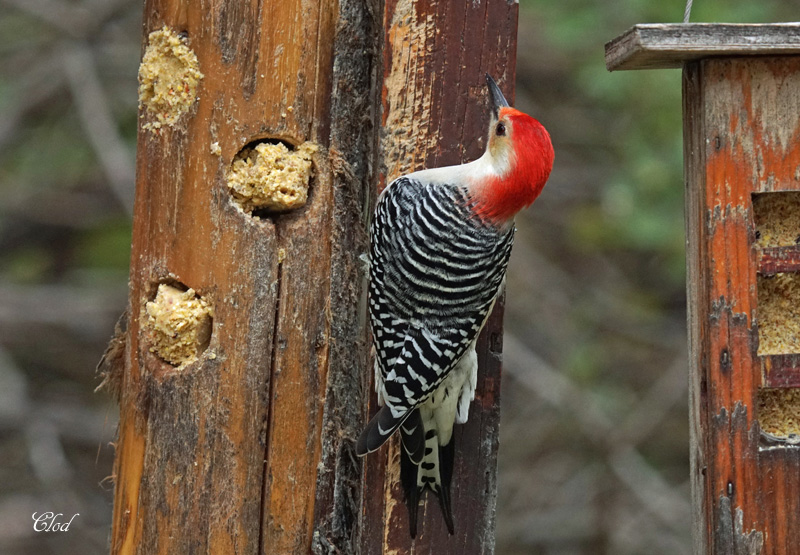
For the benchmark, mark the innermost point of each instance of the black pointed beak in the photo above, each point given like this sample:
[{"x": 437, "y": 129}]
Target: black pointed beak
[{"x": 498, "y": 100}]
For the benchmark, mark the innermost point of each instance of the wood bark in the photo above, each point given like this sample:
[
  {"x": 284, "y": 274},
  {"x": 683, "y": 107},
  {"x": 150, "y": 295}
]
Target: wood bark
[{"x": 251, "y": 448}]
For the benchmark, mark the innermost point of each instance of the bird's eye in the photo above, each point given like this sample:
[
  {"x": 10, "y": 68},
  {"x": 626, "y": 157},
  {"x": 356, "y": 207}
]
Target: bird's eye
[{"x": 500, "y": 130}]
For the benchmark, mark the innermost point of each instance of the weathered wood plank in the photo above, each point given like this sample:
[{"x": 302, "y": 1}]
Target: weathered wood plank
[
  {"x": 353, "y": 170},
  {"x": 697, "y": 299},
  {"x": 232, "y": 453},
  {"x": 775, "y": 260},
  {"x": 781, "y": 370},
  {"x": 670, "y": 45},
  {"x": 742, "y": 117},
  {"x": 250, "y": 448}
]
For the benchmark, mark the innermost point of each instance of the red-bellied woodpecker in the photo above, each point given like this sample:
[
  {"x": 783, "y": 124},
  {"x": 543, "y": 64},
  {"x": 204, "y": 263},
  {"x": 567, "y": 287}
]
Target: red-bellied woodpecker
[{"x": 440, "y": 244}]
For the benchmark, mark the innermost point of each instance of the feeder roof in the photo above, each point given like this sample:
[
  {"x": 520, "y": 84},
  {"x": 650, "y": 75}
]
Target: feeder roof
[{"x": 662, "y": 46}]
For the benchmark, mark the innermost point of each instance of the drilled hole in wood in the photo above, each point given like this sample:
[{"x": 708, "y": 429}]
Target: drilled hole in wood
[
  {"x": 779, "y": 414},
  {"x": 168, "y": 78},
  {"x": 177, "y": 324},
  {"x": 779, "y": 314},
  {"x": 270, "y": 176},
  {"x": 777, "y": 219}
]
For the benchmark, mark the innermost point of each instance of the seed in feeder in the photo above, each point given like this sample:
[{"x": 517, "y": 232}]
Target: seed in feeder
[
  {"x": 779, "y": 314},
  {"x": 779, "y": 412},
  {"x": 777, "y": 218}
]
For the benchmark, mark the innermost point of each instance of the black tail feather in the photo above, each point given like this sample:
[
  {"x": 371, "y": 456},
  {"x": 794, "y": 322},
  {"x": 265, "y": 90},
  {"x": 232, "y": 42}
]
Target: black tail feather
[
  {"x": 408, "y": 479},
  {"x": 412, "y": 435},
  {"x": 378, "y": 430},
  {"x": 446, "y": 459}
]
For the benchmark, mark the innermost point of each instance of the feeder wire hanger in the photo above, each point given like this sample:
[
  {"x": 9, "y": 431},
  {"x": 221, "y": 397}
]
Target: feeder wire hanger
[{"x": 687, "y": 11}]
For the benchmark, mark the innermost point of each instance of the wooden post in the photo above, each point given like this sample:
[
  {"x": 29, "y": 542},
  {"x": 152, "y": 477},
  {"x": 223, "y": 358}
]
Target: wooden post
[
  {"x": 742, "y": 156},
  {"x": 242, "y": 441},
  {"x": 245, "y": 450},
  {"x": 435, "y": 113}
]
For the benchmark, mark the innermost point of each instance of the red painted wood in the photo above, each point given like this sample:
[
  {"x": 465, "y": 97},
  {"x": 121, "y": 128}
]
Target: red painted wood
[
  {"x": 774, "y": 260},
  {"x": 781, "y": 370},
  {"x": 742, "y": 124}
]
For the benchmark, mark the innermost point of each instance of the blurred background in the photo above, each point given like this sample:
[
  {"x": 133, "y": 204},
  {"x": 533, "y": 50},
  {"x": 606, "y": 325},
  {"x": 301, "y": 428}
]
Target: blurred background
[{"x": 594, "y": 433}]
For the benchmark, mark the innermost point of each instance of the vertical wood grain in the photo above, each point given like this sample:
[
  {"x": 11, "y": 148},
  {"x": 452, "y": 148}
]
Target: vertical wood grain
[
  {"x": 694, "y": 166},
  {"x": 251, "y": 448},
  {"x": 224, "y": 455},
  {"x": 742, "y": 118}
]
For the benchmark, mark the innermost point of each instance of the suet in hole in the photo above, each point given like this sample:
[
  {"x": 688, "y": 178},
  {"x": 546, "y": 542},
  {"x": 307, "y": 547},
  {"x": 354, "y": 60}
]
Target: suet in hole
[
  {"x": 168, "y": 78},
  {"x": 271, "y": 176},
  {"x": 177, "y": 323},
  {"x": 779, "y": 314},
  {"x": 777, "y": 219},
  {"x": 779, "y": 414}
]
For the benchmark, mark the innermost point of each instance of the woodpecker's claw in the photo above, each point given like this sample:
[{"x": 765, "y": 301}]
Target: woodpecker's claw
[{"x": 498, "y": 100}]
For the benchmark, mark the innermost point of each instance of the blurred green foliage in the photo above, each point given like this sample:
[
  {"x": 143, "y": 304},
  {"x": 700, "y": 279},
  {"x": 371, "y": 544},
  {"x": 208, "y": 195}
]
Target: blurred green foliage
[
  {"x": 642, "y": 199},
  {"x": 48, "y": 155},
  {"x": 106, "y": 247}
]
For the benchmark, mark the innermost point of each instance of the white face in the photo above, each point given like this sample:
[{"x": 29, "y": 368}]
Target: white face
[
  {"x": 499, "y": 148},
  {"x": 495, "y": 162}
]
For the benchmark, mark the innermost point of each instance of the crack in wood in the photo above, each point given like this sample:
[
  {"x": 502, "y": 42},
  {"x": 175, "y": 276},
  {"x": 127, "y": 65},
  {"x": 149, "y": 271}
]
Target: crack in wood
[{"x": 263, "y": 508}]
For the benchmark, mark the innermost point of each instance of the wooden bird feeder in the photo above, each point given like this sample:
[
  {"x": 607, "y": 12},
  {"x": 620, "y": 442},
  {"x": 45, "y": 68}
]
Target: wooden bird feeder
[{"x": 741, "y": 120}]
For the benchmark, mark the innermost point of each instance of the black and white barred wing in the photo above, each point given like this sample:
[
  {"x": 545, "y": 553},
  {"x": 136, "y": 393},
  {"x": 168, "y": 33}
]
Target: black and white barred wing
[{"x": 435, "y": 272}]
